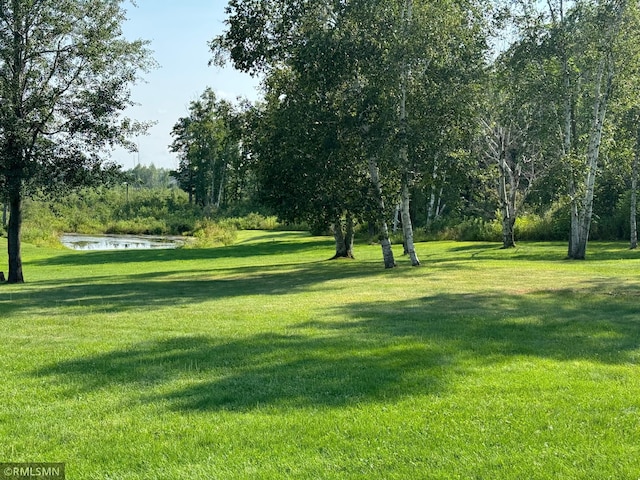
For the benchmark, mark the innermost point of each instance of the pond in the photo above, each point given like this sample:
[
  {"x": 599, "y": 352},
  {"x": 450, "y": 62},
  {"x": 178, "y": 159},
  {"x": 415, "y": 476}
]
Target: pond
[{"x": 118, "y": 242}]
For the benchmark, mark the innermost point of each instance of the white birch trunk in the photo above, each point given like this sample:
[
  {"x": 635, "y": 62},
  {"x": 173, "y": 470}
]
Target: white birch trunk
[
  {"x": 431, "y": 210},
  {"x": 396, "y": 218},
  {"x": 633, "y": 213},
  {"x": 385, "y": 242},
  {"x": 585, "y": 207},
  {"x": 407, "y": 227}
]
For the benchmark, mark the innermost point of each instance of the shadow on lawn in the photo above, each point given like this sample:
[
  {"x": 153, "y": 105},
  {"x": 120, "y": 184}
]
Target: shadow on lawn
[
  {"x": 148, "y": 291},
  {"x": 381, "y": 351},
  {"x": 599, "y": 322},
  {"x": 540, "y": 251},
  {"x": 260, "y": 370}
]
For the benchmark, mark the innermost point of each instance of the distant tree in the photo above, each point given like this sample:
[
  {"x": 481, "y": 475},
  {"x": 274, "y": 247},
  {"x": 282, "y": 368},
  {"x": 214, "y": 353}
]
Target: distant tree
[
  {"x": 205, "y": 143},
  {"x": 149, "y": 176},
  {"x": 65, "y": 73},
  {"x": 515, "y": 174}
]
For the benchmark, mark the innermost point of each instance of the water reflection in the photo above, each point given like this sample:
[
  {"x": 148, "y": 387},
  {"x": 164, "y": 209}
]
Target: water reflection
[{"x": 118, "y": 242}]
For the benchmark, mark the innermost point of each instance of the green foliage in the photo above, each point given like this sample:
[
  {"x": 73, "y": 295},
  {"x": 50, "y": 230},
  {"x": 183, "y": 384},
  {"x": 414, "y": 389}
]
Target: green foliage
[
  {"x": 208, "y": 233},
  {"x": 208, "y": 145},
  {"x": 43, "y": 227},
  {"x": 134, "y": 211},
  {"x": 469, "y": 229},
  {"x": 149, "y": 177},
  {"x": 116, "y": 210},
  {"x": 252, "y": 221}
]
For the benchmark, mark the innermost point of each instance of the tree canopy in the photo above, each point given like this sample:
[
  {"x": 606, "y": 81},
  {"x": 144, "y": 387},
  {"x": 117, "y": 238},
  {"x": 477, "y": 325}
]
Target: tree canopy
[{"x": 65, "y": 73}]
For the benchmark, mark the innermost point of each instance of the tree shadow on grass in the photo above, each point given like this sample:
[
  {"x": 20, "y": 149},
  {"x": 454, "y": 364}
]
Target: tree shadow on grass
[
  {"x": 379, "y": 351},
  {"x": 290, "y": 371},
  {"x": 114, "y": 294},
  {"x": 597, "y": 321}
]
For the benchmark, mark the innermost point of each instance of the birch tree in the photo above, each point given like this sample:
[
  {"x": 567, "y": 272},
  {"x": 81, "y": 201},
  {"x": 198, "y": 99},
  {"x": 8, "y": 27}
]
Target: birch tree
[
  {"x": 393, "y": 65},
  {"x": 516, "y": 174},
  {"x": 573, "y": 44}
]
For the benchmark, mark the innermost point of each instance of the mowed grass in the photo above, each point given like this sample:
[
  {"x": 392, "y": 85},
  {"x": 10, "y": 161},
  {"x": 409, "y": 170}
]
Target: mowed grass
[{"x": 263, "y": 360}]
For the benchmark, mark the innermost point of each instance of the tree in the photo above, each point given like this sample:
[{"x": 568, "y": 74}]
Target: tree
[
  {"x": 574, "y": 50},
  {"x": 149, "y": 176},
  {"x": 306, "y": 162},
  {"x": 65, "y": 73},
  {"x": 596, "y": 27},
  {"x": 512, "y": 132},
  {"x": 307, "y": 154},
  {"x": 204, "y": 142},
  {"x": 376, "y": 65},
  {"x": 625, "y": 110}
]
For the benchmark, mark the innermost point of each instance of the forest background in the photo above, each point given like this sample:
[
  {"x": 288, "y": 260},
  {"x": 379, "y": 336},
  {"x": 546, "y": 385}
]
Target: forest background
[{"x": 444, "y": 136}]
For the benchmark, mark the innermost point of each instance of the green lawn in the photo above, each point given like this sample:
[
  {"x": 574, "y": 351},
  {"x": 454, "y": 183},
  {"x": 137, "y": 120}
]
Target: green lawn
[{"x": 262, "y": 360}]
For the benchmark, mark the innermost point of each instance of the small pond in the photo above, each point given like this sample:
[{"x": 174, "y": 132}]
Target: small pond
[{"x": 118, "y": 242}]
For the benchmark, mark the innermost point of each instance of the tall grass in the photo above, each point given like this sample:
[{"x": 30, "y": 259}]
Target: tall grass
[{"x": 264, "y": 360}]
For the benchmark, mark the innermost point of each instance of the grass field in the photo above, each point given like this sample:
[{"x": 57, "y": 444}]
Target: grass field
[{"x": 262, "y": 360}]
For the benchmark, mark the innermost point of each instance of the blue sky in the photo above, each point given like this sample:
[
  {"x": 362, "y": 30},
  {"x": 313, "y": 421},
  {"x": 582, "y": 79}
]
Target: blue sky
[{"x": 179, "y": 31}]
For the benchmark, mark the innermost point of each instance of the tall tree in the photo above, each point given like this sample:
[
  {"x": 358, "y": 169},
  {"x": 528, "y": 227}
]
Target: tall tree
[
  {"x": 65, "y": 73},
  {"x": 515, "y": 174},
  {"x": 305, "y": 160},
  {"x": 574, "y": 45},
  {"x": 376, "y": 65},
  {"x": 205, "y": 142}
]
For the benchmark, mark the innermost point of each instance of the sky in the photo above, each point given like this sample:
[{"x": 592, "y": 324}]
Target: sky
[{"x": 178, "y": 31}]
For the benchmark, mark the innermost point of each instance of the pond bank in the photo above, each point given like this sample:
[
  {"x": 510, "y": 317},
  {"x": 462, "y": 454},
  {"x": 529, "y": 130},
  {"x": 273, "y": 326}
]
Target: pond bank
[{"x": 76, "y": 241}]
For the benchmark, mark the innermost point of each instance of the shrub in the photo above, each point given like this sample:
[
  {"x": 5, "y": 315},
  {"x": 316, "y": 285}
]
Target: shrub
[
  {"x": 138, "y": 226},
  {"x": 209, "y": 233},
  {"x": 43, "y": 227},
  {"x": 252, "y": 221}
]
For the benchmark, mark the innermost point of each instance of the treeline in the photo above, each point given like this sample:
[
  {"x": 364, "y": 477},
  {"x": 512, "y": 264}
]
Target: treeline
[
  {"x": 403, "y": 116},
  {"x": 148, "y": 201},
  {"x": 145, "y": 201},
  {"x": 399, "y": 121}
]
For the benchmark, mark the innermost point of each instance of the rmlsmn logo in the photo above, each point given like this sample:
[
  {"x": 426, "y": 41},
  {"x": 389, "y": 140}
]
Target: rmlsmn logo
[{"x": 36, "y": 471}]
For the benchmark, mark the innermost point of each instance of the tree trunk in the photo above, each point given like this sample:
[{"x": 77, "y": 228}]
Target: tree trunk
[
  {"x": 4, "y": 215},
  {"x": 222, "y": 182},
  {"x": 211, "y": 199},
  {"x": 508, "y": 232},
  {"x": 343, "y": 237},
  {"x": 431, "y": 208},
  {"x": 634, "y": 195},
  {"x": 349, "y": 234},
  {"x": 15, "y": 226},
  {"x": 507, "y": 201},
  {"x": 405, "y": 204},
  {"x": 396, "y": 218},
  {"x": 385, "y": 242},
  {"x": 407, "y": 227},
  {"x": 338, "y": 236},
  {"x": 584, "y": 208},
  {"x": 574, "y": 239}
]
